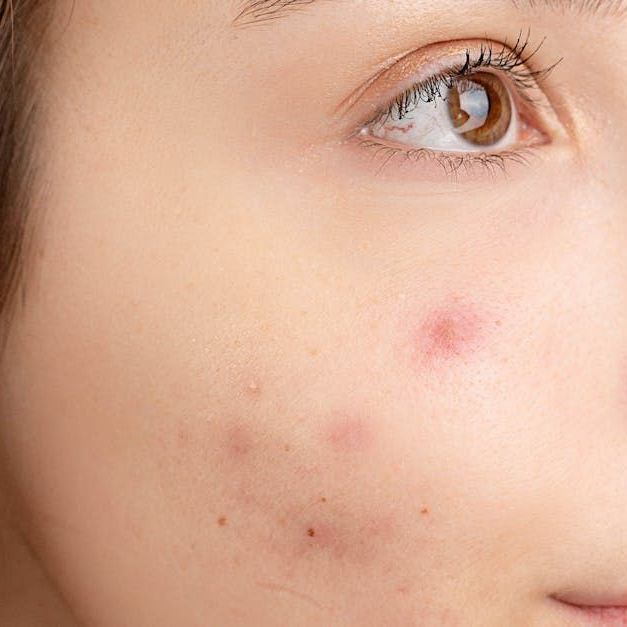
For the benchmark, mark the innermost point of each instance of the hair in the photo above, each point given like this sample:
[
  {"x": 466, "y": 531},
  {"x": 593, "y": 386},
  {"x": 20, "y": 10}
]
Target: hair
[{"x": 21, "y": 37}]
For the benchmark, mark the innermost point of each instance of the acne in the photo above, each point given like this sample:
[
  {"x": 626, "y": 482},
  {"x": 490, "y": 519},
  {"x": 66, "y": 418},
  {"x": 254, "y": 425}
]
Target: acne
[
  {"x": 350, "y": 539},
  {"x": 451, "y": 333},
  {"x": 239, "y": 442},
  {"x": 324, "y": 536},
  {"x": 348, "y": 434},
  {"x": 252, "y": 390}
]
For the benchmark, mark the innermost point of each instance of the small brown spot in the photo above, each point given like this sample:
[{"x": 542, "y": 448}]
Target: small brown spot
[
  {"x": 313, "y": 351},
  {"x": 222, "y": 521},
  {"x": 287, "y": 448},
  {"x": 424, "y": 510},
  {"x": 311, "y": 532},
  {"x": 323, "y": 499}
]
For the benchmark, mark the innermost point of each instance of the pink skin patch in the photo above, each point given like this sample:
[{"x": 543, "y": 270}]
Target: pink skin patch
[
  {"x": 348, "y": 540},
  {"x": 450, "y": 334},
  {"x": 239, "y": 442},
  {"x": 348, "y": 434}
]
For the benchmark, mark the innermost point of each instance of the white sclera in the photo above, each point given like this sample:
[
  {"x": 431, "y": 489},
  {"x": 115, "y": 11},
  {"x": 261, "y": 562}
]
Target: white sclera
[{"x": 429, "y": 124}]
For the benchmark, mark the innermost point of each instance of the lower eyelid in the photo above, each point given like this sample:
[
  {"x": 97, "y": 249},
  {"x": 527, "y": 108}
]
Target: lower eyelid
[{"x": 388, "y": 161}]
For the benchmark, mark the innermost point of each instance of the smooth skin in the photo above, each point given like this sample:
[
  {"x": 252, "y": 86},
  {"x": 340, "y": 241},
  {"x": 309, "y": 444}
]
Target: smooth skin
[{"x": 261, "y": 380}]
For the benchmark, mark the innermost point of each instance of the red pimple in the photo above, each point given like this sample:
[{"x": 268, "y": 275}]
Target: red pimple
[{"x": 448, "y": 333}]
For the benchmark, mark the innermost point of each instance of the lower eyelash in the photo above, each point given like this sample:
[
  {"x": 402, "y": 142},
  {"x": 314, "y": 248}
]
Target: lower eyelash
[{"x": 452, "y": 163}]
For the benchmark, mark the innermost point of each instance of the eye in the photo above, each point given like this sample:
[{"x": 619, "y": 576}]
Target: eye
[
  {"x": 484, "y": 107},
  {"x": 475, "y": 113}
]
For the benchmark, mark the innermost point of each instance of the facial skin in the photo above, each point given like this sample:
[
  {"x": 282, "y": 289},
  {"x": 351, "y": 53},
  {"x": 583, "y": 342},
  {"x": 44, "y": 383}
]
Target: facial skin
[{"x": 263, "y": 378}]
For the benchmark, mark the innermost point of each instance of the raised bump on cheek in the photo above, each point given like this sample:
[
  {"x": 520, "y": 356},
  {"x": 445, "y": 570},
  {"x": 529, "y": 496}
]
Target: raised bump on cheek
[{"x": 450, "y": 333}]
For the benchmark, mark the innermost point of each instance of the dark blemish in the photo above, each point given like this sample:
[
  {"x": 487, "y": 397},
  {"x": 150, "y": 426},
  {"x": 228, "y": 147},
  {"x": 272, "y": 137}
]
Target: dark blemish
[
  {"x": 222, "y": 521},
  {"x": 311, "y": 532},
  {"x": 287, "y": 448},
  {"x": 424, "y": 510},
  {"x": 347, "y": 434},
  {"x": 323, "y": 499}
]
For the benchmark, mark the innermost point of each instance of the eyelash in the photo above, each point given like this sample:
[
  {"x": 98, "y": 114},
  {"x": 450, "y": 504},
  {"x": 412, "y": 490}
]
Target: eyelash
[{"x": 513, "y": 62}]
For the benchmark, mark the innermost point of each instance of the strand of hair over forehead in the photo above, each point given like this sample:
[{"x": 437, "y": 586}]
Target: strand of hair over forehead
[{"x": 7, "y": 17}]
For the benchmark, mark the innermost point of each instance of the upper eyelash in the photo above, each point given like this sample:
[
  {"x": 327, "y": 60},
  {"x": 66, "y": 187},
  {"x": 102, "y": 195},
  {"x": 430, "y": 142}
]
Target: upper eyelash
[{"x": 512, "y": 61}]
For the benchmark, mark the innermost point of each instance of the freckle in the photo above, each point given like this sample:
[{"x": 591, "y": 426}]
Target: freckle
[
  {"x": 222, "y": 521},
  {"x": 287, "y": 448},
  {"x": 313, "y": 351},
  {"x": 323, "y": 499},
  {"x": 424, "y": 511},
  {"x": 311, "y": 532},
  {"x": 347, "y": 434}
]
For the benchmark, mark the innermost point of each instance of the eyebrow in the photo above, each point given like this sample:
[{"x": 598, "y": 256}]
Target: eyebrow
[{"x": 258, "y": 11}]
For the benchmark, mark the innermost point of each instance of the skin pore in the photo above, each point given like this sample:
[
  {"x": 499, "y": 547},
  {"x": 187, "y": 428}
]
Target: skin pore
[{"x": 275, "y": 368}]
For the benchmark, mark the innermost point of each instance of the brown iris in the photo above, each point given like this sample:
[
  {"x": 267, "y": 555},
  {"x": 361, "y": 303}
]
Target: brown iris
[{"x": 480, "y": 108}]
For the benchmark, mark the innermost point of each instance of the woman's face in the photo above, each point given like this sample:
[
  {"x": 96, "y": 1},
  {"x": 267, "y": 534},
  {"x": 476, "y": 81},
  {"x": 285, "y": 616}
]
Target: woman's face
[{"x": 290, "y": 356}]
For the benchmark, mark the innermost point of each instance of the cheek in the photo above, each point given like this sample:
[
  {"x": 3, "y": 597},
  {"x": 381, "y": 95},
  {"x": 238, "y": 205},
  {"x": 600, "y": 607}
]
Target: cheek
[
  {"x": 301, "y": 480},
  {"x": 293, "y": 494}
]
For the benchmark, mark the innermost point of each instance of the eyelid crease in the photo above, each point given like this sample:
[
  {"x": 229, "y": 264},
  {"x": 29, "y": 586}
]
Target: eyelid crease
[
  {"x": 371, "y": 100},
  {"x": 352, "y": 98},
  {"x": 399, "y": 70},
  {"x": 510, "y": 61}
]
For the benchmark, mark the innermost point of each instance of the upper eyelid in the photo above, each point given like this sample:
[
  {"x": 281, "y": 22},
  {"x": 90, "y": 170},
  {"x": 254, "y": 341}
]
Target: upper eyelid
[
  {"x": 404, "y": 71},
  {"x": 525, "y": 78}
]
